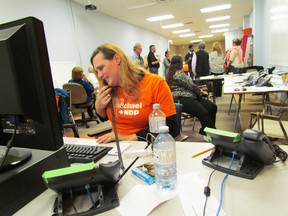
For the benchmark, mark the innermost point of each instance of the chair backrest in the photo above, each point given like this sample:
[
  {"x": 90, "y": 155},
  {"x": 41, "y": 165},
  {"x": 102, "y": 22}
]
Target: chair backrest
[
  {"x": 77, "y": 93},
  {"x": 177, "y": 129}
]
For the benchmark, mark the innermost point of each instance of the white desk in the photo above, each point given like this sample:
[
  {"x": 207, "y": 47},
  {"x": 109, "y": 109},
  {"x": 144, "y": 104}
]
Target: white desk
[
  {"x": 266, "y": 195},
  {"x": 233, "y": 85}
]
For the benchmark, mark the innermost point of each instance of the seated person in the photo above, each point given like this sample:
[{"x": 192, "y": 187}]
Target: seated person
[
  {"x": 190, "y": 95},
  {"x": 79, "y": 77},
  {"x": 132, "y": 91}
]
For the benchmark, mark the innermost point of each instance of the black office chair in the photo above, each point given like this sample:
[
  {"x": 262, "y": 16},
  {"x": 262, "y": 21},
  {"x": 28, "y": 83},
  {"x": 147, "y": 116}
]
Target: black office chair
[
  {"x": 66, "y": 119},
  {"x": 78, "y": 102},
  {"x": 177, "y": 131}
]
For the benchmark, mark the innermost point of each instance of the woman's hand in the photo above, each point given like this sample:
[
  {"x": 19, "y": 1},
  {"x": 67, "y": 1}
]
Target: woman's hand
[
  {"x": 103, "y": 98},
  {"x": 110, "y": 137},
  {"x": 203, "y": 93}
]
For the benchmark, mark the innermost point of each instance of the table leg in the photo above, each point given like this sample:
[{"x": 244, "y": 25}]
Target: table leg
[{"x": 237, "y": 117}]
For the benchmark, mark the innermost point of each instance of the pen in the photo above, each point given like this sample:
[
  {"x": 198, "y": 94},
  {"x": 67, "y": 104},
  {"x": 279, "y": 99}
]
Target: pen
[{"x": 202, "y": 152}]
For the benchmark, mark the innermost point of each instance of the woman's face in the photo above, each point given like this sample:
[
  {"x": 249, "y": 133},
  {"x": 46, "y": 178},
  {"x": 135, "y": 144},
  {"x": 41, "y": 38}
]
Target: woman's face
[{"x": 108, "y": 70}]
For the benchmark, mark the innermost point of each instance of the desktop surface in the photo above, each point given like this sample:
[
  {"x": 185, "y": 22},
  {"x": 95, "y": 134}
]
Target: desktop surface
[{"x": 265, "y": 195}]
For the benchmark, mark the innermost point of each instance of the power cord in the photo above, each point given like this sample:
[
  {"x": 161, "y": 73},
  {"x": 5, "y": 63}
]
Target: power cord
[
  {"x": 223, "y": 181},
  {"x": 280, "y": 153},
  {"x": 10, "y": 142},
  {"x": 207, "y": 190}
]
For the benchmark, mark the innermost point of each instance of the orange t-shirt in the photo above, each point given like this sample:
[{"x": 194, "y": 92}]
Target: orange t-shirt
[{"x": 133, "y": 116}]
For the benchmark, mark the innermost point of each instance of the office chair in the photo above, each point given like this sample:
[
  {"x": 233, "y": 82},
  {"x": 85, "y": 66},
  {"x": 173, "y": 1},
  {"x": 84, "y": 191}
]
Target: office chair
[
  {"x": 66, "y": 119},
  {"x": 272, "y": 120},
  {"x": 78, "y": 101},
  {"x": 184, "y": 115},
  {"x": 177, "y": 131}
]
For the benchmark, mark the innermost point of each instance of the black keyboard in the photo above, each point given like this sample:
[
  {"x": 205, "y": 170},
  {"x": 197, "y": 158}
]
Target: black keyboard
[{"x": 84, "y": 153}]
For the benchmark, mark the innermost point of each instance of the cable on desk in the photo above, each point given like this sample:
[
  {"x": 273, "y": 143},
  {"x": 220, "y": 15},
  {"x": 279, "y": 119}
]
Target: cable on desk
[
  {"x": 223, "y": 181},
  {"x": 207, "y": 189},
  {"x": 87, "y": 187}
]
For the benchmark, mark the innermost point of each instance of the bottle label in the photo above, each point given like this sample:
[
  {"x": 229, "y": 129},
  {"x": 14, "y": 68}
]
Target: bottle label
[{"x": 164, "y": 156}]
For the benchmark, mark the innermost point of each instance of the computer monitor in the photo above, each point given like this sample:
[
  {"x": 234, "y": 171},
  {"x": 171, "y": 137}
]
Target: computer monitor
[{"x": 28, "y": 110}]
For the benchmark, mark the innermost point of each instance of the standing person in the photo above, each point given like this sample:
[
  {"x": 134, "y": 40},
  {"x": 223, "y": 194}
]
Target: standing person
[
  {"x": 188, "y": 58},
  {"x": 200, "y": 64},
  {"x": 235, "y": 57},
  {"x": 216, "y": 67},
  {"x": 79, "y": 77},
  {"x": 131, "y": 91},
  {"x": 92, "y": 78},
  {"x": 153, "y": 61},
  {"x": 136, "y": 56},
  {"x": 166, "y": 62},
  {"x": 190, "y": 95}
]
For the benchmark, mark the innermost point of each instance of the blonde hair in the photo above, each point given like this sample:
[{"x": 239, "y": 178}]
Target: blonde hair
[
  {"x": 77, "y": 73},
  {"x": 137, "y": 45},
  {"x": 217, "y": 47},
  {"x": 237, "y": 41},
  {"x": 130, "y": 73}
]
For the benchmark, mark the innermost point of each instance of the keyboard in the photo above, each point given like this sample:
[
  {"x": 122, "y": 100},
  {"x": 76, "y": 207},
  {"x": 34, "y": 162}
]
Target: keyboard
[{"x": 85, "y": 153}]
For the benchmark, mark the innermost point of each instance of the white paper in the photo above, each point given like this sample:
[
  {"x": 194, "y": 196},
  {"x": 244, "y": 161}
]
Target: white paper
[
  {"x": 191, "y": 194},
  {"x": 123, "y": 147},
  {"x": 142, "y": 199}
]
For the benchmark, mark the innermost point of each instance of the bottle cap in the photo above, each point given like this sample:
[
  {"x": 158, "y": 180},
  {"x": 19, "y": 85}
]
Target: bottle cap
[
  {"x": 163, "y": 129},
  {"x": 156, "y": 106}
]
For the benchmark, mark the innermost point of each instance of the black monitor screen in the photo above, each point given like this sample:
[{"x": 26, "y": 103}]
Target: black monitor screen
[{"x": 26, "y": 88}]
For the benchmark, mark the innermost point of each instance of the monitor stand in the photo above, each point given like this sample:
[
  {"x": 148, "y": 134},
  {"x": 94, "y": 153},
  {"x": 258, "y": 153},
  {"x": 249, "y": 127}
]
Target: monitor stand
[{"x": 14, "y": 158}]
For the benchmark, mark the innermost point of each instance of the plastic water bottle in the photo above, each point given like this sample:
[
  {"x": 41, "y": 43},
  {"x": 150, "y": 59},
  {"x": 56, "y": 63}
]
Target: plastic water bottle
[
  {"x": 164, "y": 154},
  {"x": 156, "y": 119}
]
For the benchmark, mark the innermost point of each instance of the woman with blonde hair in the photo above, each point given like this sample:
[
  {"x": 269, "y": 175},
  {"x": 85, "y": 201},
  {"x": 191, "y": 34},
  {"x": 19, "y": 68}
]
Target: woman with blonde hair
[
  {"x": 216, "y": 66},
  {"x": 132, "y": 91}
]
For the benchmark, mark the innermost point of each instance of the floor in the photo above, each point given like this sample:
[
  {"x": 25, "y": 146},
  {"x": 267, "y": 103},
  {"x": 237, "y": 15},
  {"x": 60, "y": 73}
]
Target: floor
[{"x": 251, "y": 103}]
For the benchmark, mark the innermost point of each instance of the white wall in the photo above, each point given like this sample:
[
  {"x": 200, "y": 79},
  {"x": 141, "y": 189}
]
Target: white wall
[
  {"x": 229, "y": 36},
  {"x": 72, "y": 34},
  {"x": 271, "y": 33}
]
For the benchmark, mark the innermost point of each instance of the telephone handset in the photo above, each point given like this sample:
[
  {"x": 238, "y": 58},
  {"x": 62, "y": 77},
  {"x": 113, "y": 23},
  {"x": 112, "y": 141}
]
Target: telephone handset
[
  {"x": 263, "y": 80},
  {"x": 258, "y": 146}
]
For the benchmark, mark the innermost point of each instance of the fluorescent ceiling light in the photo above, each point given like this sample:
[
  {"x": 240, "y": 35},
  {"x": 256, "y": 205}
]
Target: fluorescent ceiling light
[
  {"x": 220, "y": 30},
  {"x": 158, "y": 18},
  {"x": 217, "y": 18},
  {"x": 219, "y": 25},
  {"x": 181, "y": 31},
  {"x": 172, "y": 25},
  {"x": 141, "y": 5},
  {"x": 206, "y": 36},
  {"x": 187, "y": 35},
  {"x": 215, "y": 8},
  {"x": 196, "y": 41}
]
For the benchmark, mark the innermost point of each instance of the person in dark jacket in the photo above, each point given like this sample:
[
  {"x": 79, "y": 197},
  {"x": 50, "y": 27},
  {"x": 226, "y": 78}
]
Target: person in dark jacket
[
  {"x": 200, "y": 64},
  {"x": 153, "y": 61}
]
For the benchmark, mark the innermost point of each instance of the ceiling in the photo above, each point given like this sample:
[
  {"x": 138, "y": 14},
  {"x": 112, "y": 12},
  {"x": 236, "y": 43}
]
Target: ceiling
[{"x": 185, "y": 11}]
